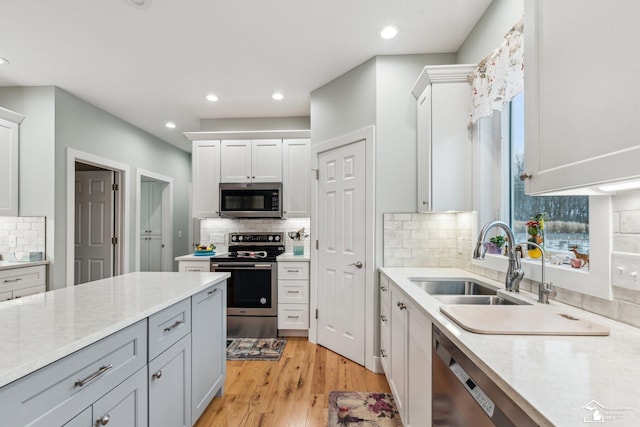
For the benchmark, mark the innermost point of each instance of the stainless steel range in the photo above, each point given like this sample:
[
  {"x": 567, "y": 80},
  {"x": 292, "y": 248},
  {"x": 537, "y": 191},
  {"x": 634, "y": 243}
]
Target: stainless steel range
[{"x": 252, "y": 289}]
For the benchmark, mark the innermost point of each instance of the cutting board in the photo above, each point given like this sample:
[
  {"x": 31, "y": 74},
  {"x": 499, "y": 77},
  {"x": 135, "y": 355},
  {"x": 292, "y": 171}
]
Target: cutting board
[{"x": 520, "y": 320}]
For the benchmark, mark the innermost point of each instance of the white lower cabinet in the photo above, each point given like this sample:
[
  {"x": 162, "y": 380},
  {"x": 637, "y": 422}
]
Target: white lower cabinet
[
  {"x": 405, "y": 341},
  {"x": 208, "y": 347},
  {"x": 293, "y": 296},
  {"x": 125, "y": 405},
  {"x": 186, "y": 266},
  {"x": 22, "y": 281}
]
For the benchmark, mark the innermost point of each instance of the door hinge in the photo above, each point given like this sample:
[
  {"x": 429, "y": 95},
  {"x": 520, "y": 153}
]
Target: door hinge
[
  {"x": 114, "y": 187},
  {"x": 317, "y": 245},
  {"x": 316, "y": 313},
  {"x": 114, "y": 240},
  {"x": 317, "y": 172}
]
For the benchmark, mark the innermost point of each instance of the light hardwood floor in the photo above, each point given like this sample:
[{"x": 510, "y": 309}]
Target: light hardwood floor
[{"x": 291, "y": 392}]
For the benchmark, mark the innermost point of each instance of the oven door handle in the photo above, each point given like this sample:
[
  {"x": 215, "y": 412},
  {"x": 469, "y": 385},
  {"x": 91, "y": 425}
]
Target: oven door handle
[{"x": 241, "y": 266}]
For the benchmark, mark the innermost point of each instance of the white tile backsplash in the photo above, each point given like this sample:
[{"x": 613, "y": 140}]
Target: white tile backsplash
[
  {"x": 21, "y": 234},
  {"x": 216, "y": 228}
]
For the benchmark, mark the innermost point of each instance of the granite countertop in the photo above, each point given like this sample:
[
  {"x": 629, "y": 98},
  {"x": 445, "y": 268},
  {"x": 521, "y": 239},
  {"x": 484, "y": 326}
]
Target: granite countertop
[
  {"x": 551, "y": 377},
  {"x": 42, "y": 328},
  {"x": 289, "y": 256},
  {"x": 8, "y": 265}
]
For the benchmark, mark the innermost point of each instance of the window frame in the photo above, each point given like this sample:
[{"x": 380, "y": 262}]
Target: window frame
[{"x": 597, "y": 280}]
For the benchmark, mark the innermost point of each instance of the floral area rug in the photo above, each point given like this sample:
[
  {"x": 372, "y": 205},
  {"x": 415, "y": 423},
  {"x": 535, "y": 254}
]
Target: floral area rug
[
  {"x": 352, "y": 408},
  {"x": 255, "y": 348}
]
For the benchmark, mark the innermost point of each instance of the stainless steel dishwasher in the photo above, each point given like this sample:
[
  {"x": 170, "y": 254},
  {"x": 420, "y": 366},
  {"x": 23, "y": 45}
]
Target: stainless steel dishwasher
[{"x": 464, "y": 396}]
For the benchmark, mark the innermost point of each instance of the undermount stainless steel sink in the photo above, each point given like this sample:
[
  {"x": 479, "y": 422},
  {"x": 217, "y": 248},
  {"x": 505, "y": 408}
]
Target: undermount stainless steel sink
[
  {"x": 452, "y": 287},
  {"x": 477, "y": 300}
]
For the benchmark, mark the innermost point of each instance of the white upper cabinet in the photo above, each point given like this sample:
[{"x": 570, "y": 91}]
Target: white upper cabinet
[
  {"x": 296, "y": 174},
  {"x": 581, "y": 93},
  {"x": 9, "y": 155},
  {"x": 205, "y": 165},
  {"x": 444, "y": 150},
  {"x": 251, "y": 160}
]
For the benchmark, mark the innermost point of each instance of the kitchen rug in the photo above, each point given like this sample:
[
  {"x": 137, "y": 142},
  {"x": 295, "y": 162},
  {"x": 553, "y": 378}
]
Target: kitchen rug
[
  {"x": 353, "y": 408},
  {"x": 255, "y": 348}
]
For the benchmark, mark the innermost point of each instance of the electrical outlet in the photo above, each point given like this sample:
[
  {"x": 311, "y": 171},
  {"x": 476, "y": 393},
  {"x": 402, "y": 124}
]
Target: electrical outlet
[
  {"x": 179, "y": 234},
  {"x": 13, "y": 241},
  {"x": 459, "y": 245}
]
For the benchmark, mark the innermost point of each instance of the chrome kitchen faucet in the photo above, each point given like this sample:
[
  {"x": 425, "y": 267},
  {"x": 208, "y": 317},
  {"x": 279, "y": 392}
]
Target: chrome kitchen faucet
[{"x": 514, "y": 271}]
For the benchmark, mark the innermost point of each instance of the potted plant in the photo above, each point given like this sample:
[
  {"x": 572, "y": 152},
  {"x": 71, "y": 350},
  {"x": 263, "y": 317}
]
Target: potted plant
[{"x": 495, "y": 244}]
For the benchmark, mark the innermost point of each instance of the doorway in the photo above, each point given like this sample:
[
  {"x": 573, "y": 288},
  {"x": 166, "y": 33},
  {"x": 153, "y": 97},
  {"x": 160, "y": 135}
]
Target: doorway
[
  {"x": 154, "y": 221},
  {"x": 343, "y": 274},
  {"x": 100, "y": 228}
]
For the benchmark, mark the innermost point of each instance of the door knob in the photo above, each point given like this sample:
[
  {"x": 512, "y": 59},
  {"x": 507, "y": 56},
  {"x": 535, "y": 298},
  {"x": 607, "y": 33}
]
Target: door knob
[{"x": 358, "y": 264}]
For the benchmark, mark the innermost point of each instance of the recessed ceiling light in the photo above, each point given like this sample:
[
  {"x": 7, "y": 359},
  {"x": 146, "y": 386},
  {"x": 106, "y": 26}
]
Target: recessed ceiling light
[
  {"x": 170, "y": 125},
  {"x": 137, "y": 2},
  {"x": 211, "y": 97},
  {"x": 3, "y": 61},
  {"x": 388, "y": 32},
  {"x": 277, "y": 96}
]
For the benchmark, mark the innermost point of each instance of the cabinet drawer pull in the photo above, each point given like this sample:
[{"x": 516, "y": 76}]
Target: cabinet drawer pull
[
  {"x": 293, "y": 271},
  {"x": 293, "y": 317},
  {"x": 383, "y": 318},
  {"x": 96, "y": 374},
  {"x": 213, "y": 291},
  {"x": 293, "y": 292},
  {"x": 104, "y": 420},
  {"x": 12, "y": 280},
  {"x": 175, "y": 325},
  {"x": 401, "y": 306},
  {"x": 383, "y": 289},
  {"x": 157, "y": 375}
]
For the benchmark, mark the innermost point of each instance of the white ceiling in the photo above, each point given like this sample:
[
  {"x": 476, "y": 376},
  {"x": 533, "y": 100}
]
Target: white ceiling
[{"x": 155, "y": 63}]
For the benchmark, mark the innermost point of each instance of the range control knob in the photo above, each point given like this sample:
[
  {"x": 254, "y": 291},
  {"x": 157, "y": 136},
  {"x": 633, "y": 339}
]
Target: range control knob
[
  {"x": 277, "y": 238},
  {"x": 270, "y": 238}
]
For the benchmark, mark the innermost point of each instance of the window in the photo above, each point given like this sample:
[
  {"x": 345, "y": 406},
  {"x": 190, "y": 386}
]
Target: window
[{"x": 566, "y": 217}]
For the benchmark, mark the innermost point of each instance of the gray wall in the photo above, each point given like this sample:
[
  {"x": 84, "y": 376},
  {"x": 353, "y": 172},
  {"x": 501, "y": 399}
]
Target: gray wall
[
  {"x": 490, "y": 30},
  {"x": 57, "y": 120},
  {"x": 259, "y": 123}
]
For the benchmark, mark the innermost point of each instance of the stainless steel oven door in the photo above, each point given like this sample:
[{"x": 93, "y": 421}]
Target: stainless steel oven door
[{"x": 251, "y": 289}]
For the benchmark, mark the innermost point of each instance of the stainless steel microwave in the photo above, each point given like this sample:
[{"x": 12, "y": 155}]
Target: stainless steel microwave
[{"x": 251, "y": 200}]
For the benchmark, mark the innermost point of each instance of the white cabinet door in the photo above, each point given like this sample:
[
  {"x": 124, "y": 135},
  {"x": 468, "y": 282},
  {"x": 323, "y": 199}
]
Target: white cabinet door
[
  {"x": 444, "y": 143},
  {"x": 9, "y": 148},
  {"x": 208, "y": 337},
  {"x": 251, "y": 161},
  {"x": 385, "y": 325},
  {"x": 581, "y": 97},
  {"x": 170, "y": 386},
  {"x": 266, "y": 160},
  {"x": 398, "y": 346},
  {"x": 296, "y": 177},
  {"x": 205, "y": 159},
  {"x": 151, "y": 207},
  {"x": 418, "y": 408},
  {"x": 235, "y": 163}
]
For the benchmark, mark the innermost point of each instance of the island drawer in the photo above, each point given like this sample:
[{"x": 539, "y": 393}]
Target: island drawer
[
  {"x": 168, "y": 326},
  {"x": 54, "y": 394}
]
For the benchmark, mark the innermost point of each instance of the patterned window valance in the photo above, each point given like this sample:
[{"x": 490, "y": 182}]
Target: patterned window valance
[{"x": 499, "y": 76}]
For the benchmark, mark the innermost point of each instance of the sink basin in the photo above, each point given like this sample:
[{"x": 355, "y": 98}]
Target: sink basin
[
  {"x": 477, "y": 300},
  {"x": 452, "y": 287}
]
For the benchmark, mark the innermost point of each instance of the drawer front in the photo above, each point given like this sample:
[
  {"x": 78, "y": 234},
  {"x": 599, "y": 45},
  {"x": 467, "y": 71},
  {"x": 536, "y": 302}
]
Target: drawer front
[
  {"x": 19, "y": 293},
  {"x": 25, "y": 277},
  {"x": 55, "y": 393},
  {"x": 186, "y": 266},
  {"x": 293, "y": 292},
  {"x": 293, "y": 270},
  {"x": 168, "y": 326},
  {"x": 293, "y": 316}
]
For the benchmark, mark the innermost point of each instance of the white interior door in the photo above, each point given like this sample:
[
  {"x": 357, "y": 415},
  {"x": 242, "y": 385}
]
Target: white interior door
[
  {"x": 341, "y": 250},
  {"x": 93, "y": 226}
]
